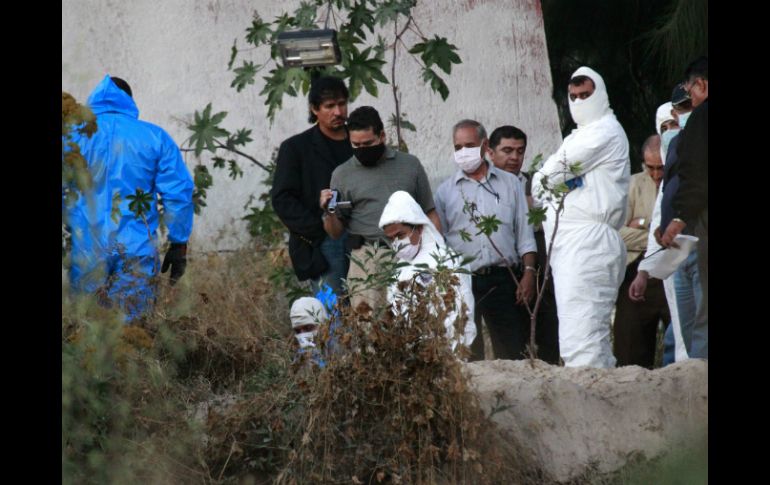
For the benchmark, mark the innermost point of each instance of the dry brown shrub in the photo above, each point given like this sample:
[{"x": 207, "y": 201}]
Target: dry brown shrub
[{"x": 393, "y": 405}]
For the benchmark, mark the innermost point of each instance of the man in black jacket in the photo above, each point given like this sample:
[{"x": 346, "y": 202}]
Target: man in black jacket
[
  {"x": 691, "y": 200},
  {"x": 303, "y": 168}
]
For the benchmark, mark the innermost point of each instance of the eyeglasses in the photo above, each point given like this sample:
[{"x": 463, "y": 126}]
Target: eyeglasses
[{"x": 654, "y": 168}]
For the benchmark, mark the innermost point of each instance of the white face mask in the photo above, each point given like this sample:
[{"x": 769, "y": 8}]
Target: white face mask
[
  {"x": 468, "y": 159},
  {"x": 405, "y": 249},
  {"x": 683, "y": 119},
  {"x": 666, "y": 138},
  {"x": 584, "y": 111},
  {"x": 305, "y": 339}
]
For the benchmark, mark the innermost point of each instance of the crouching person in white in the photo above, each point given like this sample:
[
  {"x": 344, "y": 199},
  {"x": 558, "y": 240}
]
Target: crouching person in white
[
  {"x": 417, "y": 242},
  {"x": 306, "y": 316}
]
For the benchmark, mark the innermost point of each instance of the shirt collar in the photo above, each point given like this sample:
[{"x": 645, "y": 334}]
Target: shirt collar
[{"x": 492, "y": 172}]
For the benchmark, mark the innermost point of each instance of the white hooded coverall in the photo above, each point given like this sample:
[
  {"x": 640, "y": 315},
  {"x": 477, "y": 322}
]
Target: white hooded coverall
[
  {"x": 588, "y": 257},
  {"x": 680, "y": 350},
  {"x": 402, "y": 208}
]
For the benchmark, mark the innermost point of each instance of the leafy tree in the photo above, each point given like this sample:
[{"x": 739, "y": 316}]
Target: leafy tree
[{"x": 363, "y": 59}]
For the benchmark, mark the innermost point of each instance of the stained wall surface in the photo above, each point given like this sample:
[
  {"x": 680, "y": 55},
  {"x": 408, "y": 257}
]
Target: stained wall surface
[{"x": 174, "y": 54}]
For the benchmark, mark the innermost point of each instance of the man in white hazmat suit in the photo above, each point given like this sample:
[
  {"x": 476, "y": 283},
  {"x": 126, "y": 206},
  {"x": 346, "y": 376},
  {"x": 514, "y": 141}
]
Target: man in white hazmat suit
[
  {"x": 417, "y": 241},
  {"x": 588, "y": 256}
]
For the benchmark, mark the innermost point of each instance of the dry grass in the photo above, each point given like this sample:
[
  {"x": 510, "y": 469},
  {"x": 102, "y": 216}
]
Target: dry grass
[{"x": 130, "y": 393}]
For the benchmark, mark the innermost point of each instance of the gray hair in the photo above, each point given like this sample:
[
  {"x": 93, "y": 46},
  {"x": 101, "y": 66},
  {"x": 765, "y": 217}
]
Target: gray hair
[{"x": 470, "y": 124}]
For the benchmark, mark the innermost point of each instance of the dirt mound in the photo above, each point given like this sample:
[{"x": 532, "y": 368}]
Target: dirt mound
[{"x": 580, "y": 421}]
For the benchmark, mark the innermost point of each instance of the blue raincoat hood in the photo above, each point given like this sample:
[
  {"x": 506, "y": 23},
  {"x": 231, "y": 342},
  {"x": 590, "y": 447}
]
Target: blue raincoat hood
[{"x": 108, "y": 97}]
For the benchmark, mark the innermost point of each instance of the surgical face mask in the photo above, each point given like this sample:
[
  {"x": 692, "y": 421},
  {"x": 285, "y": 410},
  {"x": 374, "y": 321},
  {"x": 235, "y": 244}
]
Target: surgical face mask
[
  {"x": 683, "y": 119},
  {"x": 405, "y": 249},
  {"x": 305, "y": 339},
  {"x": 468, "y": 159},
  {"x": 667, "y": 136},
  {"x": 368, "y": 156}
]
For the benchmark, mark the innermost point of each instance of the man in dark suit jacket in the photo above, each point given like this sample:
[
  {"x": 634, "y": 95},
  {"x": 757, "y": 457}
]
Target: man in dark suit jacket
[
  {"x": 690, "y": 202},
  {"x": 303, "y": 168}
]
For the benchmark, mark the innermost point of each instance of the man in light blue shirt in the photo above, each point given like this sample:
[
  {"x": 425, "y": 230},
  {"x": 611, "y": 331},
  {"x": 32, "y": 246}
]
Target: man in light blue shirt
[{"x": 494, "y": 193}]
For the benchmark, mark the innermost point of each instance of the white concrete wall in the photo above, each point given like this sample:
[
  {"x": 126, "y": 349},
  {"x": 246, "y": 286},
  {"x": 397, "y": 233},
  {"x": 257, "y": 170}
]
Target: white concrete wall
[{"x": 174, "y": 54}]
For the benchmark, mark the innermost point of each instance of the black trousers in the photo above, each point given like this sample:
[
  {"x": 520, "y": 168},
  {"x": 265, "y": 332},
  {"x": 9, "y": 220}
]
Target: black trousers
[
  {"x": 636, "y": 324},
  {"x": 507, "y": 322},
  {"x": 547, "y": 326}
]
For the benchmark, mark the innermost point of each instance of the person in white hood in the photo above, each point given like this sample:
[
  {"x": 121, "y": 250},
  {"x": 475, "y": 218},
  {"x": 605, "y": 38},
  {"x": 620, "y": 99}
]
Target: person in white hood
[
  {"x": 417, "y": 241},
  {"x": 306, "y": 315},
  {"x": 588, "y": 255}
]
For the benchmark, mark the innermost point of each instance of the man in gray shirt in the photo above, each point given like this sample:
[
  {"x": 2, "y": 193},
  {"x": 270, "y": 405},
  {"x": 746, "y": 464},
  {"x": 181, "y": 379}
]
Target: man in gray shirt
[
  {"x": 499, "y": 193},
  {"x": 367, "y": 180}
]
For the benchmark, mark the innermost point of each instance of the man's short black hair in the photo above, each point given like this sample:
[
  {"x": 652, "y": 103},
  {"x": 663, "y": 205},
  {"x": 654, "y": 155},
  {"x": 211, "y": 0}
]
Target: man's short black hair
[
  {"x": 122, "y": 85},
  {"x": 699, "y": 68},
  {"x": 579, "y": 80},
  {"x": 506, "y": 131},
  {"x": 363, "y": 118},
  {"x": 325, "y": 88}
]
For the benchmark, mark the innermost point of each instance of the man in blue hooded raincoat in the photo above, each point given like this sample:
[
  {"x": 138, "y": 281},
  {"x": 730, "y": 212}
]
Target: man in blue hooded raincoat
[{"x": 114, "y": 252}]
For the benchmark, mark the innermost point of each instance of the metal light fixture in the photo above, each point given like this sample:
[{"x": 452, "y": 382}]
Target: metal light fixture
[{"x": 309, "y": 48}]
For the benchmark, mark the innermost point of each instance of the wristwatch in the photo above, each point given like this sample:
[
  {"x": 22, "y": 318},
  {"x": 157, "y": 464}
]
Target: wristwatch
[{"x": 642, "y": 220}]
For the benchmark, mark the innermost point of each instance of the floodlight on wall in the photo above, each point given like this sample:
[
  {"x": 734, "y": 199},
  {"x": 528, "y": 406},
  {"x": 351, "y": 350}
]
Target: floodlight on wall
[{"x": 309, "y": 48}]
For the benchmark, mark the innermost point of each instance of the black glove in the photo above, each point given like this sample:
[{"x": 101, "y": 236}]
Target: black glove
[{"x": 176, "y": 259}]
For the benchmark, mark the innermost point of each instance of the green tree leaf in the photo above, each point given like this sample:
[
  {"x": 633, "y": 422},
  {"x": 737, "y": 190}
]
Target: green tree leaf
[
  {"x": 199, "y": 200},
  {"x": 259, "y": 32},
  {"x": 233, "y": 54},
  {"x": 360, "y": 16},
  {"x": 560, "y": 189},
  {"x": 536, "y": 215},
  {"x": 304, "y": 16},
  {"x": 363, "y": 71},
  {"x": 437, "y": 51},
  {"x": 140, "y": 202},
  {"x": 282, "y": 23},
  {"x": 206, "y": 130},
  {"x": 404, "y": 123},
  {"x": 282, "y": 81},
  {"x": 244, "y": 75},
  {"x": 488, "y": 225},
  {"x": 241, "y": 137},
  {"x": 219, "y": 162},
  {"x": 389, "y": 10},
  {"x": 436, "y": 83},
  {"x": 202, "y": 177},
  {"x": 380, "y": 46},
  {"x": 235, "y": 170},
  {"x": 203, "y": 180},
  {"x": 465, "y": 235},
  {"x": 537, "y": 162}
]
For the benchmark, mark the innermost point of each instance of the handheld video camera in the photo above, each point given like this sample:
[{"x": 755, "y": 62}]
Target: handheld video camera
[{"x": 335, "y": 204}]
